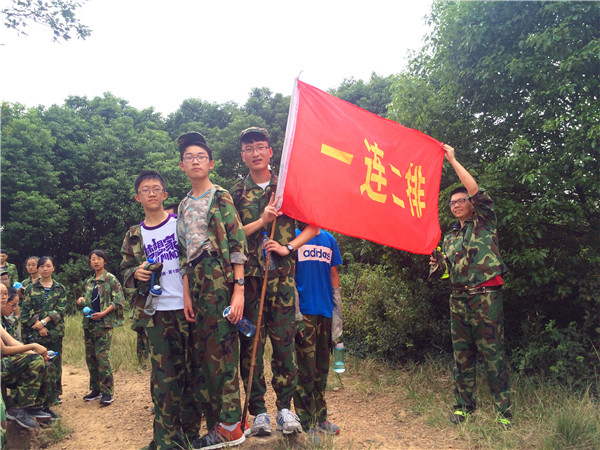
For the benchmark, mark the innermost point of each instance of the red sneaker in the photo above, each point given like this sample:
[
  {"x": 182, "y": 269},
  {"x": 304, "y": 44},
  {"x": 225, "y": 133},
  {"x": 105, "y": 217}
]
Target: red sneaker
[{"x": 219, "y": 437}]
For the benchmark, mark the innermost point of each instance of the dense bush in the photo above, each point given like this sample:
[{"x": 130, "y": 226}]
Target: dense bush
[{"x": 386, "y": 317}]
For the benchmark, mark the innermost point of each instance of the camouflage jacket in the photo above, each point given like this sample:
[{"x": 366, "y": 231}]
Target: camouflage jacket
[
  {"x": 225, "y": 232},
  {"x": 250, "y": 201},
  {"x": 12, "y": 324},
  {"x": 111, "y": 293},
  {"x": 132, "y": 251},
  {"x": 35, "y": 308},
  {"x": 13, "y": 275},
  {"x": 472, "y": 251},
  {"x": 27, "y": 281}
]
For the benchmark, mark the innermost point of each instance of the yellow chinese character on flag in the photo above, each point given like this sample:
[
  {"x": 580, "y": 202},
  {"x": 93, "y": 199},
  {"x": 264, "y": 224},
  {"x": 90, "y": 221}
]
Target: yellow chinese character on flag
[
  {"x": 414, "y": 190},
  {"x": 375, "y": 174}
]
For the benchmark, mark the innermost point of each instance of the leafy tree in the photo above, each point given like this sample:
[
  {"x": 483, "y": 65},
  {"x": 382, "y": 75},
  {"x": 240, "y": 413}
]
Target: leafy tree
[
  {"x": 58, "y": 15},
  {"x": 513, "y": 86},
  {"x": 374, "y": 95}
]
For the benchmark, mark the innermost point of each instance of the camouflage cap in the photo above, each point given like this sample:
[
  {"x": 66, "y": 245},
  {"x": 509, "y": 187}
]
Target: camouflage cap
[
  {"x": 187, "y": 139},
  {"x": 256, "y": 131}
]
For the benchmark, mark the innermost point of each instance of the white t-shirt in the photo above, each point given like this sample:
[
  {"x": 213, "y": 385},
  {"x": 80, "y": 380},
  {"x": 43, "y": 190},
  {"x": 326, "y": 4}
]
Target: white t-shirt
[{"x": 160, "y": 243}]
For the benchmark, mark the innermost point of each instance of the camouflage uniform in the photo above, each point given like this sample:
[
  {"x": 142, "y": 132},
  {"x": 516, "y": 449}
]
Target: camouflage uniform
[
  {"x": 97, "y": 334},
  {"x": 13, "y": 274},
  {"x": 278, "y": 319},
  {"x": 142, "y": 346},
  {"x": 27, "y": 281},
  {"x": 12, "y": 324},
  {"x": 36, "y": 307},
  {"x": 313, "y": 349},
  {"x": 30, "y": 380},
  {"x": 215, "y": 354},
  {"x": 477, "y": 319},
  {"x": 175, "y": 413},
  {"x": 2, "y": 422}
]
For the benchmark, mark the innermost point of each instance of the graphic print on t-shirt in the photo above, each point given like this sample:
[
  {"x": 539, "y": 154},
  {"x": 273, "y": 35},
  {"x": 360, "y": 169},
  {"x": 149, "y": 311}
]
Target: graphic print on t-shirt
[
  {"x": 163, "y": 250},
  {"x": 314, "y": 253}
]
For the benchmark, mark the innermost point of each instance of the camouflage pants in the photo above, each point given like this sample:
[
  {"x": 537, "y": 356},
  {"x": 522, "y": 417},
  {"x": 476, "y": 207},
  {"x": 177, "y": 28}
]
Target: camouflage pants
[
  {"x": 477, "y": 324},
  {"x": 215, "y": 351},
  {"x": 56, "y": 346},
  {"x": 313, "y": 350},
  {"x": 278, "y": 322},
  {"x": 142, "y": 345},
  {"x": 29, "y": 379},
  {"x": 97, "y": 356},
  {"x": 176, "y": 417}
]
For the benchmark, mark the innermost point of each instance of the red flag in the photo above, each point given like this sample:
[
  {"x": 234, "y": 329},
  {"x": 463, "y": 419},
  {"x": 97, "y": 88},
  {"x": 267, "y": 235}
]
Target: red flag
[{"x": 351, "y": 171}]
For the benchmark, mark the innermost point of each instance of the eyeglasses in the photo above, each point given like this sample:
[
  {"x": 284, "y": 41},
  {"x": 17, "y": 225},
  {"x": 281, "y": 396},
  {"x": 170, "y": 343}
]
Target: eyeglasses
[
  {"x": 458, "y": 201},
  {"x": 259, "y": 149},
  {"x": 147, "y": 192},
  {"x": 190, "y": 158}
]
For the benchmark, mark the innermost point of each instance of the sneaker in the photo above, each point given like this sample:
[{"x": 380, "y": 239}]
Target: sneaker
[
  {"x": 504, "y": 422},
  {"x": 459, "y": 416},
  {"x": 52, "y": 413},
  {"x": 106, "y": 399},
  {"x": 58, "y": 401},
  {"x": 94, "y": 395},
  {"x": 261, "y": 426},
  {"x": 328, "y": 428},
  {"x": 21, "y": 417},
  {"x": 504, "y": 419},
  {"x": 38, "y": 413},
  {"x": 313, "y": 437},
  {"x": 288, "y": 422},
  {"x": 219, "y": 437}
]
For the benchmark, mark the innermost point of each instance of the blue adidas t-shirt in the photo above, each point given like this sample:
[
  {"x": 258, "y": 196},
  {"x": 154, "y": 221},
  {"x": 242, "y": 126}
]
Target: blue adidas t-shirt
[{"x": 313, "y": 274}]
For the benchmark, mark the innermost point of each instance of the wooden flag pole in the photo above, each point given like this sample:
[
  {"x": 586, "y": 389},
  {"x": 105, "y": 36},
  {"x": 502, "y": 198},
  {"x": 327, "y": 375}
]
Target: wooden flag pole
[{"x": 257, "y": 333}]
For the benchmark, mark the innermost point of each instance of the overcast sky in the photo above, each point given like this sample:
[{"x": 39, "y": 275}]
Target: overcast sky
[{"x": 159, "y": 53}]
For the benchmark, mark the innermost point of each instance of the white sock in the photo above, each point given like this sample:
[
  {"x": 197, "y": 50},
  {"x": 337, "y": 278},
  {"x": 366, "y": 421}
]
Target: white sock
[{"x": 229, "y": 427}]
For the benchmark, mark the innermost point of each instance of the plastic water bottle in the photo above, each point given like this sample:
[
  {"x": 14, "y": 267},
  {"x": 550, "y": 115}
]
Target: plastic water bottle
[
  {"x": 264, "y": 252},
  {"x": 154, "y": 288},
  {"x": 338, "y": 357},
  {"x": 52, "y": 353},
  {"x": 87, "y": 312},
  {"x": 244, "y": 325}
]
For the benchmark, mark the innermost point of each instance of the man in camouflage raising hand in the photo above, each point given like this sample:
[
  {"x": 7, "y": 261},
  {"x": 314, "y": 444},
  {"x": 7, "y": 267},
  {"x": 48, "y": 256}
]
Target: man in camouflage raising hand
[{"x": 472, "y": 258}]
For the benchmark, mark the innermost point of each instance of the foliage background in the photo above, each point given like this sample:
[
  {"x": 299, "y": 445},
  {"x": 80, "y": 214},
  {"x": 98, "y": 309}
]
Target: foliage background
[{"x": 513, "y": 86}]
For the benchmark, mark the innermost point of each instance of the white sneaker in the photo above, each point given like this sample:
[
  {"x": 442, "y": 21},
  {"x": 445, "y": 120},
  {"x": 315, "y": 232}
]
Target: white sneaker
[
  {"x": 261, "y": 426},
  {"x": 288, "y": 422}
]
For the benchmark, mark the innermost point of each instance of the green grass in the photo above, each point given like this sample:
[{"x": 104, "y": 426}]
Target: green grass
[
  {"x": 123, "y": 354},
  {"x": 545, "y": 416}
]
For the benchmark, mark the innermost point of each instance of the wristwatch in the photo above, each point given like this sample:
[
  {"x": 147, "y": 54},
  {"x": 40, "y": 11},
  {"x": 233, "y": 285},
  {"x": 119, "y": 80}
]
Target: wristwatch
[
  {"x": 44, "y": 322},
  {"x": 290, "y": 247},
  {"x": 239, "y": 281}
]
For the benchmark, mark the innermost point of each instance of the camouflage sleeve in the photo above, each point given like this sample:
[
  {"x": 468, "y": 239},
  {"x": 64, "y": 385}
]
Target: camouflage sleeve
[
  {"x": 181, "y": 239},
  {"x": 26, "y": 311},
  {"x": 116, "y": 291},
  {"x": 238, "y": 246},
  {"x": 484, "y": 206},
  {"x": 59, "y": 304},
  {"x": 13, "y": 274},
  {"x": 130, "y": 260}
]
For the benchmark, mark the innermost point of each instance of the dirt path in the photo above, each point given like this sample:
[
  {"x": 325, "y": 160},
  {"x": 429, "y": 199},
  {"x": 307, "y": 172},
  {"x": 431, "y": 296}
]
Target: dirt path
[{"x": 366, "y": 421}]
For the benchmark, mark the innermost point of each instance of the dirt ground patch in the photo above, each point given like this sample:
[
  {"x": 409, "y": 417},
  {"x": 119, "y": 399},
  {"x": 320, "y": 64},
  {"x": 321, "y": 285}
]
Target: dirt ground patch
[{"x": 367, "y": 422}]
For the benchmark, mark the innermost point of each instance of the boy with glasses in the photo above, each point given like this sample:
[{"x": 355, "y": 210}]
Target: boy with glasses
[
  {"x": 213, "y": 252},
  {"x": 471, "y": 254},
  {"x": 176, "y": 417},
  {"x": 254, "y": 198}
]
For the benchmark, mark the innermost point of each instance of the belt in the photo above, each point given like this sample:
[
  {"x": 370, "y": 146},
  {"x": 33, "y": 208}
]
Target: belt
[
  {"x": 194, "y": 262},
  {"x": 474, "y": 290}
]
